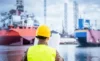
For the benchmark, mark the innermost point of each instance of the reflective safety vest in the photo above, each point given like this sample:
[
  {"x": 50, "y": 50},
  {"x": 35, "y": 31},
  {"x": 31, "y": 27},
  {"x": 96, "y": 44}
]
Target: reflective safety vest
[{"x": 41, "y": 53}]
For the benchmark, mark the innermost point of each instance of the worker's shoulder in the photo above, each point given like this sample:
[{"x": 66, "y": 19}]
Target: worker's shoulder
[
  {"x": 51, "y": 48},
  {"x": 36, "y": 46}
]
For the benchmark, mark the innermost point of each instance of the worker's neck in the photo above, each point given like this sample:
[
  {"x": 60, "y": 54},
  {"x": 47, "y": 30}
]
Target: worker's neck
[{"x": 43, "y": 42}]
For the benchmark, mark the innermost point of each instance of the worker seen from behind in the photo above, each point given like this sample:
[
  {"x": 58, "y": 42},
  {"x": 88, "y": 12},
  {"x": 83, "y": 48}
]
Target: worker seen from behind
[{"x": 42, "y": 52}]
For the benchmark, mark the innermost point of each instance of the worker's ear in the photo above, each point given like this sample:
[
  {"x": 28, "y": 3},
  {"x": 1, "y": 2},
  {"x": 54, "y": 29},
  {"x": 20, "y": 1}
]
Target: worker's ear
[{"x": 47, "y": 38}]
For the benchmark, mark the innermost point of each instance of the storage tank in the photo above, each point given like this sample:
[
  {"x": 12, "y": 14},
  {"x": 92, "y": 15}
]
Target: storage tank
[
  {"x": 80, "y": 23},
  {"x": 87, "y": 24},
  {"x": 30, "y": 22},
  {"x": 16, "y": 18}
]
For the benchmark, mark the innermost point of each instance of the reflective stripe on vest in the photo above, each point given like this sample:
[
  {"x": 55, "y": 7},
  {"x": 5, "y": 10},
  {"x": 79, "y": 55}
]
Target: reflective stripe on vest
[{"x": 41, "y": 53}]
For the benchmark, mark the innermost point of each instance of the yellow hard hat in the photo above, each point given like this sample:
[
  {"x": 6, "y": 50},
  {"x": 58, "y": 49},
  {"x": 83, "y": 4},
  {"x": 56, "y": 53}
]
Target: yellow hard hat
[{"x": 43, "y": 30}]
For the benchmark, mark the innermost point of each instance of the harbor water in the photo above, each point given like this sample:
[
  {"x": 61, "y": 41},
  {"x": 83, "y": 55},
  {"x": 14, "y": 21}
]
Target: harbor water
[{"x": 68, "y": 52}]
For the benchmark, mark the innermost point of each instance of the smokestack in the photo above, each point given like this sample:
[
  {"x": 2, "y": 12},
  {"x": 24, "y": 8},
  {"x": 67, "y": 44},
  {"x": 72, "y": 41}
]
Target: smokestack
[
  {"x": 76, "y": 12},
  {"x": 65, "y": 17},
  {"x": 45, "y": 9}
]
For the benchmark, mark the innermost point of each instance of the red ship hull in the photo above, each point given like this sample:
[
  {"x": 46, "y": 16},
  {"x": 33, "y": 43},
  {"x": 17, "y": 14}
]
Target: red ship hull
[
  {"x": 17, "y": 36},
  {"x": 15, "y": 42}
]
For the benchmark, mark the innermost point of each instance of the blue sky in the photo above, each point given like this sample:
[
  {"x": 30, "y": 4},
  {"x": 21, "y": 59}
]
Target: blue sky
[{"x": 88, "y": 9}]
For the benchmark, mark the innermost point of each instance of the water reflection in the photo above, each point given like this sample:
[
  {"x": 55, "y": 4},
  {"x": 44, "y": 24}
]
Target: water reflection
[
  {"x": 81, "y": 56},
  {"x": 87, "y": 54},
  {"x": 73, "y": 53},
  {"x": 68, "y": 52}
]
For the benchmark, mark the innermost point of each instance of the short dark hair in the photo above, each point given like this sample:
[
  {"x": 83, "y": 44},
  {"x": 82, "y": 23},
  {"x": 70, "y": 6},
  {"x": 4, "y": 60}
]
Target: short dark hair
[{"x": 41, "y": 37}]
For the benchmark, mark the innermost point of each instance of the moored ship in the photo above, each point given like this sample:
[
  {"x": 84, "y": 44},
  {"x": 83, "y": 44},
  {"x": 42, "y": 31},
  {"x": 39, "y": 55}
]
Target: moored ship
[
  {"x": 17, "y": 26},
  {"x": 86, "y": 35}
]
